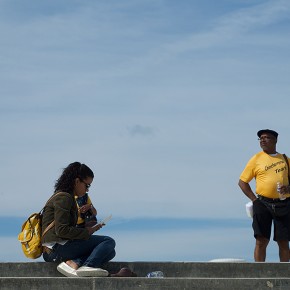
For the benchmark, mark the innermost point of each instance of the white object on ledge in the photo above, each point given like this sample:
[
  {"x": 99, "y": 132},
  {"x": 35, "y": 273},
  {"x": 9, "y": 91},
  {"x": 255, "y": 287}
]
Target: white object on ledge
[{"x": 228, "y": 260}]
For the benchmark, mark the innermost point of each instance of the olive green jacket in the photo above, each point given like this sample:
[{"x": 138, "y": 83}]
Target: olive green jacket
[{"x": 63, "y": 210}]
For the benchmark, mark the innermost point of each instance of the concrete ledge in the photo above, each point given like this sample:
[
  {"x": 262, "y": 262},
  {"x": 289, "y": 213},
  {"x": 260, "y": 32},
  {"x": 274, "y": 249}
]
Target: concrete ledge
[
  {"x": 170, "y": 269},
  {"x": 143, "y": 283},
  {"x": 178, "y": 275}
]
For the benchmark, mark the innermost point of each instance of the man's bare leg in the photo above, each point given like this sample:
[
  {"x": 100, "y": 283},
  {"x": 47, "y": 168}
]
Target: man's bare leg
[
  {"x": 260, "y": 249},
  {"x": 283, "y": 251}
]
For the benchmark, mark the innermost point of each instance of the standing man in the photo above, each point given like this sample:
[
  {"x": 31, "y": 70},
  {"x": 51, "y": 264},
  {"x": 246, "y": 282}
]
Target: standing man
[{"x": 268, "y": 167}]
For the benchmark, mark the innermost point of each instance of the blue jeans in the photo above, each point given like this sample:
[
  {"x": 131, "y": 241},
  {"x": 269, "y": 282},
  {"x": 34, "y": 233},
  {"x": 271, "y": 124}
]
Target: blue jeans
[{"x": 94, "y": 252}]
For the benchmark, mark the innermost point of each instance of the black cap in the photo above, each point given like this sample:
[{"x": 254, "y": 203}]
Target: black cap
[{"x": 274, "y": 133}]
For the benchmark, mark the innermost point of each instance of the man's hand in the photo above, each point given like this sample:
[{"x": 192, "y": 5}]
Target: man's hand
[{"x": 284, "y": 189}]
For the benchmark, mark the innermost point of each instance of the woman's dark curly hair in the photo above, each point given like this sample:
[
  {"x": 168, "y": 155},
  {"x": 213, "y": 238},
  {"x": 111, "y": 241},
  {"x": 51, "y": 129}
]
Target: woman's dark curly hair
[{"x": 66, "y": 181}]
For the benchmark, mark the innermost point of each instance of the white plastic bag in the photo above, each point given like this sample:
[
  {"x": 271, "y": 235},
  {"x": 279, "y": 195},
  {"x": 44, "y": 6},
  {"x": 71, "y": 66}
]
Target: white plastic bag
[{"x": 249, "y": 209}]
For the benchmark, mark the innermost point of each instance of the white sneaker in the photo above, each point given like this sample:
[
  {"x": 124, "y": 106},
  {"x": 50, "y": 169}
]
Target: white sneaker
[
  {"x": 85, "y": 271},
  {"x": 66, "y": 270}
]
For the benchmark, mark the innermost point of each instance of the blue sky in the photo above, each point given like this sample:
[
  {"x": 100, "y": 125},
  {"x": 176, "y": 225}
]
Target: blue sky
[{"x": 162, "y": 99}]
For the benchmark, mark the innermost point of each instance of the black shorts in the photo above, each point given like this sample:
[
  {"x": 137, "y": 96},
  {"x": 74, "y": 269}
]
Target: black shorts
[{"x": 263, "y": 219}]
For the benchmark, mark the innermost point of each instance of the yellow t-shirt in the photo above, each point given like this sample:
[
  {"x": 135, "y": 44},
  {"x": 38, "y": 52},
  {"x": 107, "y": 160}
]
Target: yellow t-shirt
[{"x": 267, "y": 170}]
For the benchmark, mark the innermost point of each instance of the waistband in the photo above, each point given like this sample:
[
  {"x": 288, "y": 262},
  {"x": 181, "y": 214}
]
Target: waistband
[
  {"x": 271, "y": 199},
  {"x": 48, "y": 250}
]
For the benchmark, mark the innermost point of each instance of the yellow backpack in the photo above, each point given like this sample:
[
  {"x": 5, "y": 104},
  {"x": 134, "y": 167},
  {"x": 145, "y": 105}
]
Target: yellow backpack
[{"x": 31, "y": 234}]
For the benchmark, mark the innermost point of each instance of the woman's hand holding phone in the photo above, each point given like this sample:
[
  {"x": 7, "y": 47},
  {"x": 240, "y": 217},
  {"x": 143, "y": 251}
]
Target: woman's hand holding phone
[{"x": 99, "y": 225}]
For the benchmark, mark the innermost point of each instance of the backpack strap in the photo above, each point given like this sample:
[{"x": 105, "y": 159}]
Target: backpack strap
[
  {"x": 50, "y": 200},
  {"x": 286, "y": 159},
  {"x": 48, "y": 228},
  {"x": 51, "y": 225}
]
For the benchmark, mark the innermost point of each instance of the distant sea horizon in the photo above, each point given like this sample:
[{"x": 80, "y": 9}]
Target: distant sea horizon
[{"x": 159, "y": 239}]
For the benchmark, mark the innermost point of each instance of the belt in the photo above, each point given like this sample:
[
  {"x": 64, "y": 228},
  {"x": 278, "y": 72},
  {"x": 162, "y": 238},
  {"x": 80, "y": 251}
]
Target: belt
[{"x": 270, "y": 199}]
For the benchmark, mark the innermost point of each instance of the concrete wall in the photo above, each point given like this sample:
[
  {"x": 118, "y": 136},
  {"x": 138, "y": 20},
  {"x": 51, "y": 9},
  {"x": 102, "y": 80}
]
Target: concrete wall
[{"x": 178, "y": 275}]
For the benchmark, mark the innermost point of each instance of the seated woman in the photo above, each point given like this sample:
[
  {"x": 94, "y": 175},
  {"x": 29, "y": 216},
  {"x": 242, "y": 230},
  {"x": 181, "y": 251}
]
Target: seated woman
[{"x": 79, "y": 252}]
